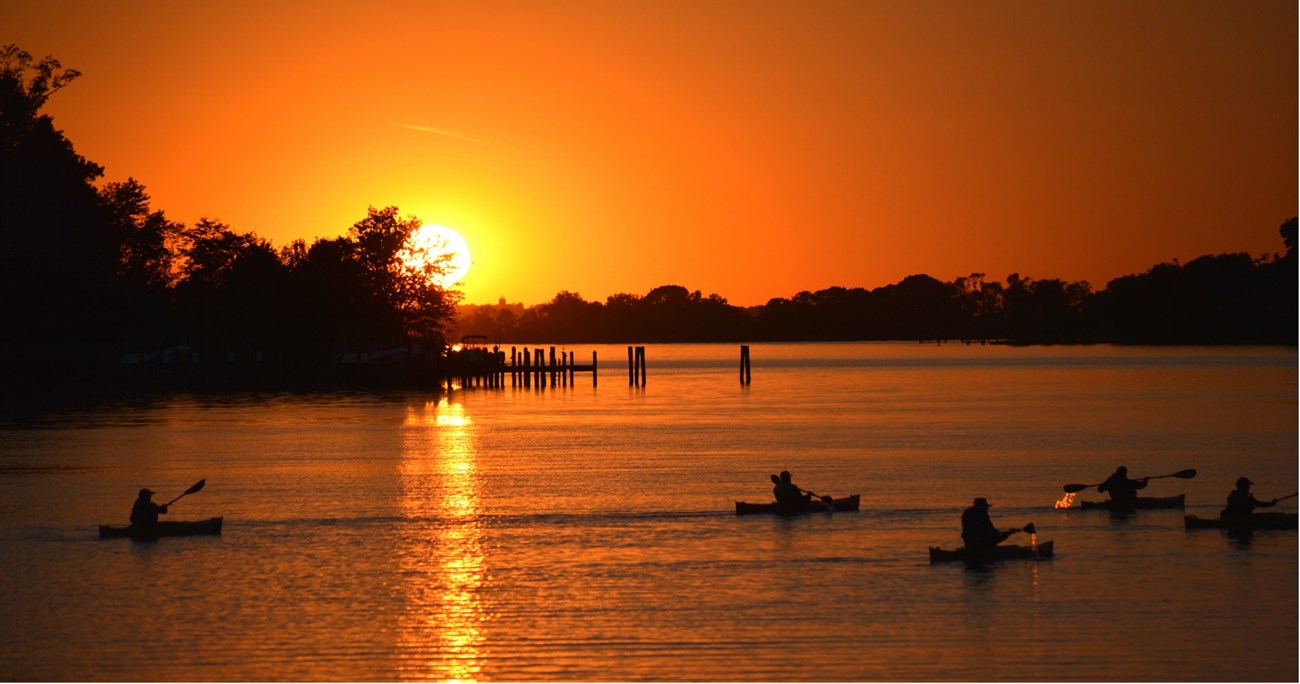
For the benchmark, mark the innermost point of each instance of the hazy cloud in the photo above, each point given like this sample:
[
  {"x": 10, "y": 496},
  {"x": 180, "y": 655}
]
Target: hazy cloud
[{"x": 441, "y": 131}]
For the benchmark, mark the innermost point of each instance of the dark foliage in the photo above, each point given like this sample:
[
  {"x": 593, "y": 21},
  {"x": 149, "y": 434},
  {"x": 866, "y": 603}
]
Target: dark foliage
[
  {"x": 98, "y": 289},
  {"x": 1225, "y": 299}
]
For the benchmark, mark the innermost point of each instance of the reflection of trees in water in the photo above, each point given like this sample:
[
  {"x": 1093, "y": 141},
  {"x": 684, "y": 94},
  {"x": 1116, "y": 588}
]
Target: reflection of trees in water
[{"x": 442, "y": 562}]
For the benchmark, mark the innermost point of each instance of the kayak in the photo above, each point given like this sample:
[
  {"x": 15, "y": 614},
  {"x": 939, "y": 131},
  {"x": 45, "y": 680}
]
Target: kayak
[
  {"x": 1249, "y": 521},
  {"x": 977, "y": 556},
  {"x": 167, "y": 528},
  {"x": 1140, "y": 502},
  {"x": 848, "y": 503}
]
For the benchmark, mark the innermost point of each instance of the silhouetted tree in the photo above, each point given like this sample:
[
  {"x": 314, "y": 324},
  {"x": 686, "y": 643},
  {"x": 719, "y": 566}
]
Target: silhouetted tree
[
  {"x": 146, "y": 273},
  {"x": 1222, "y": 299},
  {"x": 58, "y": 261},
  {"x": 981, "y": 305}
]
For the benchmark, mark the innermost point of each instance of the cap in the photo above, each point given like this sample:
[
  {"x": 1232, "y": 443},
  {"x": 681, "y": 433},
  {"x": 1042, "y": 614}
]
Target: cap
[
  {"x": 1243, "y": 481},
  {"x": 146, "y": 492},
  {"x": 981, "y": 502}
]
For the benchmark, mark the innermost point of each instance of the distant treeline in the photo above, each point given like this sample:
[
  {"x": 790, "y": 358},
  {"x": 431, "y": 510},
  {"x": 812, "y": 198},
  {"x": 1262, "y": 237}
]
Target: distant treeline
[
  {"x": 1224, "y": 299},
  {"x": 97, "y": 286}
]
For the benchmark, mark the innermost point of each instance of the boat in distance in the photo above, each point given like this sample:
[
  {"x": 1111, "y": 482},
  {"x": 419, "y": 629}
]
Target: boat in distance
[
  {"x": 1142, "y": 502},
  {"x": 848, "y": 503},
  {"x": 167, "y": 528},
  {"x": 979, "y": 556},
  {"x": 1247, "y": 521}
]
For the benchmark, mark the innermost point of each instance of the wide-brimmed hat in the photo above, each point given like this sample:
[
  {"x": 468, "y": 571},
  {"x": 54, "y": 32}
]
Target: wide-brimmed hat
[{"x": 981, "y": 502}]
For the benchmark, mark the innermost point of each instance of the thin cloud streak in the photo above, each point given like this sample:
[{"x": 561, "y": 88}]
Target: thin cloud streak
[{"x": 443, "y": 132}]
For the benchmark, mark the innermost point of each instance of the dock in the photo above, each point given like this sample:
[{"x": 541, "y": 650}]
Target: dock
[
  {"x": 478, "y": 366},
  {"x": 474, "y": 365}
]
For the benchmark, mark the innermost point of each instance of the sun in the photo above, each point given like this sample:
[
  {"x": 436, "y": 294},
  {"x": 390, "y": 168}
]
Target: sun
[{"x": 437, "y": 253}]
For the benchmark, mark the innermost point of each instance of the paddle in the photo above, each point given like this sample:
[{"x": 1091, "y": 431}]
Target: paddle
[
  {"x": 1182, "y": 475},
  {"x": 1284, "y": 498},
  {"x": 1028, "y": 529},
  {"x": 196, "y": 487}
]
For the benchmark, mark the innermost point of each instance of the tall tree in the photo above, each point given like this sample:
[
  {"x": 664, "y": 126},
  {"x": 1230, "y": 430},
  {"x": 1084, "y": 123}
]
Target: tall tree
[
  {"x": 146, "y": 263},
  {"x": 58, "y": 260}
]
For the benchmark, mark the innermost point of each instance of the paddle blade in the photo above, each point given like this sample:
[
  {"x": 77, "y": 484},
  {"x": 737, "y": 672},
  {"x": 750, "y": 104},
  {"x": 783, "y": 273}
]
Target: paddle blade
[
  {"x": 1186, "y": 474},
  {"x": 1075, "y": 488},
  {"x": 1029, "y": 529},
  {"x": 196, "y": 487}
]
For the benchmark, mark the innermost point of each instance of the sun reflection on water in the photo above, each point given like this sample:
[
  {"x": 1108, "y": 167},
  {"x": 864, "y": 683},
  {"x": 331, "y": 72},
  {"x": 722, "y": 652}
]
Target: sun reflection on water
[{"x": 442, "y": 563}]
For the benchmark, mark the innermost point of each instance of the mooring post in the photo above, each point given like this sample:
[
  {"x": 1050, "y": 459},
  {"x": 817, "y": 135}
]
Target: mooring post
[
  {"x": 541, "y": 368},
  {"x": 640, "y": 362},
  {"x": 593, "y": 369},
  {"x": 631, "y": 367},
  {"x": 538, "y": 361},
  {"x": 744, "y": 364}
]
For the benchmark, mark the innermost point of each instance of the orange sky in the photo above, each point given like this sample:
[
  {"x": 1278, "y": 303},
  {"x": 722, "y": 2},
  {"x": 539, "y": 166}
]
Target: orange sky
[{"x": 748, "y": 149}]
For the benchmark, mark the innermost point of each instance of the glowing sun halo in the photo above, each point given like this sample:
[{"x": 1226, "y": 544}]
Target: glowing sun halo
[{"x": 437, "y": 252}]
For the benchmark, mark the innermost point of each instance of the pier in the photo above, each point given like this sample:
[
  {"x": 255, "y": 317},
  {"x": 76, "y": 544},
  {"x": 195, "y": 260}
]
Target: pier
[
  {"x": 474, "y": 365},
  {"x": 477, "y": 366}
]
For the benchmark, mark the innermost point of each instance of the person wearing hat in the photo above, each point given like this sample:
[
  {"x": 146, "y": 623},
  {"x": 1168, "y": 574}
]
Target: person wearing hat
[
  {"x": 1120, "y": 487},
  {"x": 1242, "y": 502},
  {"x": 977, "y": 530},
  {"x": 145, "y": 511}
]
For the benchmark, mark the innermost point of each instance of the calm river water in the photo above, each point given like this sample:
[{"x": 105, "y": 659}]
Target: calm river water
[{"x": 589, "y": 533}]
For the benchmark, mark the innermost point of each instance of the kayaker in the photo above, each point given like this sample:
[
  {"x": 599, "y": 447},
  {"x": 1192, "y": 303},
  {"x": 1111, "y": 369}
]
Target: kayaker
[
  {"x": 977, "y": 530},
  {"x": 145, "y": 511},
  {"x": 1242, "y": 502},
  {"x": 1120, "y": 487},
  {"x": 785, "y": 491}
]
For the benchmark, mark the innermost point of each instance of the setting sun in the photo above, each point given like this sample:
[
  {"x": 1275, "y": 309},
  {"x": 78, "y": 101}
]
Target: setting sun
[{"x": 437, "y": 252}]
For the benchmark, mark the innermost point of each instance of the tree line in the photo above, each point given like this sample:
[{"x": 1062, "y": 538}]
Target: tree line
[
  {"x": 96, "y": 285},
  {"x": 1220, "y": 299}
]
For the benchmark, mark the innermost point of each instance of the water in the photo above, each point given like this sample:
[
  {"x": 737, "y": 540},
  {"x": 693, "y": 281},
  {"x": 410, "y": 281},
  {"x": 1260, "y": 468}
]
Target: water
[{"x": 588, "y": 533}]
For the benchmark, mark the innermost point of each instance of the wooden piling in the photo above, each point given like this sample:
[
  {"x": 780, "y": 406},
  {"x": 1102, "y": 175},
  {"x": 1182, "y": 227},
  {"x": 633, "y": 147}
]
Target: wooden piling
[
  {"x": 744, "y": 364},
  {"x": 539, "y": 355},
  {"x": 636, "y": 366}
]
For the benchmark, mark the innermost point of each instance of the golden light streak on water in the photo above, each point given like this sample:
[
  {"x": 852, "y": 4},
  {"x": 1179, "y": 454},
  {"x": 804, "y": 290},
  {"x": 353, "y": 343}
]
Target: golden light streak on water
[{"x": 442, "y": 564}]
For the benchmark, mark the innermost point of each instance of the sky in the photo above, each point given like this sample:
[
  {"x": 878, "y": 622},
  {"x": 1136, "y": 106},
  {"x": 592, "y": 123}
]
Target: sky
[{"x": 751, "y": 150}]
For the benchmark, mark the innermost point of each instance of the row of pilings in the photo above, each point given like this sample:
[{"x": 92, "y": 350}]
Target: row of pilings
[
  {"x": 527, "y": 367},
  {"x": 531, "y": 367}
]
